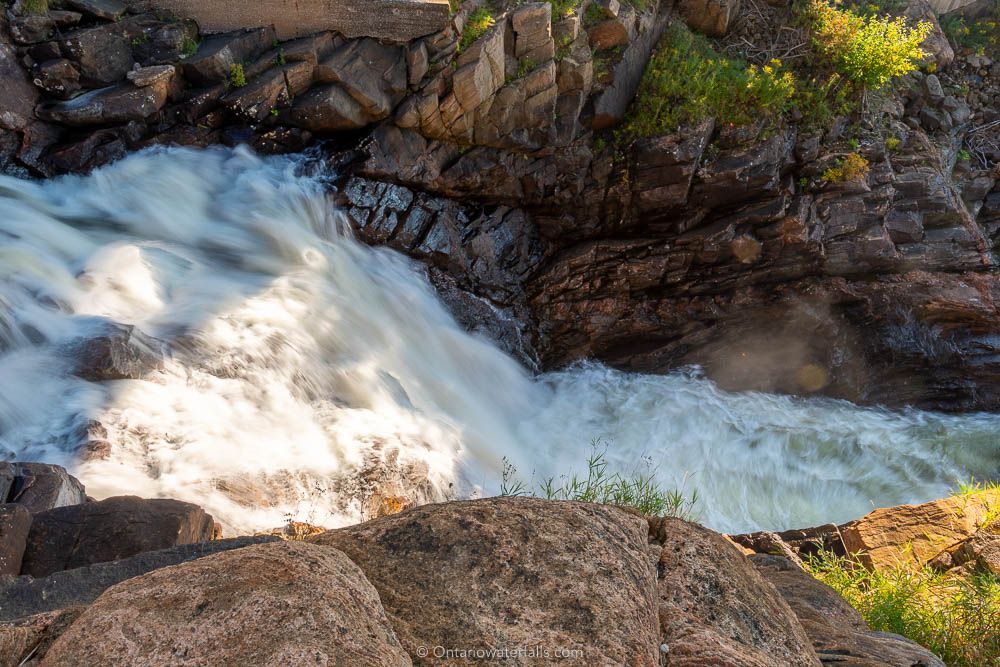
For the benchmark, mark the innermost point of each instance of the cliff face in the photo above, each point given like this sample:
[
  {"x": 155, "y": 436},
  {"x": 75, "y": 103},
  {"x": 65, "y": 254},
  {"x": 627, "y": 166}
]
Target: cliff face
[{"x": 473, "y": 150}]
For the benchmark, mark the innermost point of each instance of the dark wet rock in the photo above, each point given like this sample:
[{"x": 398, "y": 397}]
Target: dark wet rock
[
  {"x": 121, "y": 352},
  {"x": 31, "y": 29},
  {"x": 216, "y": 55},
  {"x": 15, "y": 523},
  {"x": 266, "y": 92},
  {"x": 41, "y": 486},
  {"x": 838, "y": 633},
  {"x": 59, "y": 78},
  {"x": 102, "y": 53},
  {"x": 107, "y": 106},
  {"x": 69, "y": 537},
  {"x": 25, "y": 595},
  {"x": 17, "y": 104}
]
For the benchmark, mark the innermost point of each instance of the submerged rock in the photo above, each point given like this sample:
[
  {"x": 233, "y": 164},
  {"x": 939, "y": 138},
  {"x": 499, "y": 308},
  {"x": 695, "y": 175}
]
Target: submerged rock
[{"x": 122, "y": 352}]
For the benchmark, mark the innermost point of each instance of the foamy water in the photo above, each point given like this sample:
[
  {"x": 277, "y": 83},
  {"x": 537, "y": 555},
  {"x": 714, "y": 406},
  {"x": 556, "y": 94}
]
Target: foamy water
[{"x": 301, "y": 361}]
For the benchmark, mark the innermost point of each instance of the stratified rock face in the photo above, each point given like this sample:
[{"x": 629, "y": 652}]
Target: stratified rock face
[
  {"x": 838, "y": 633},
  {"x": 515, "y": 575},
  {"x": 68, "y": 537},
  {"x": 279, "y": 604},
  {"x": 715, "y": 609}
]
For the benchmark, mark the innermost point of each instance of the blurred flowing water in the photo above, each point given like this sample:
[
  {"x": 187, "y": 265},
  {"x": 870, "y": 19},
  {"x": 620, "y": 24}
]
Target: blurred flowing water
[{"x": 300, "y": 360}]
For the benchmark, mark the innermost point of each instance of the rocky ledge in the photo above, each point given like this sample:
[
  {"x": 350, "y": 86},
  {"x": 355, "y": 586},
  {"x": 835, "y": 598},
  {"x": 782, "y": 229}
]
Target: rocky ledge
[
  {"x": 483, "y": 150},
  {"x": 521, "y": 581}
]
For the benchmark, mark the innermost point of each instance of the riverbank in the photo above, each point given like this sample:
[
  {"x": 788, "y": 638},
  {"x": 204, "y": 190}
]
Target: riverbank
[{"x": 531, "y": 580}]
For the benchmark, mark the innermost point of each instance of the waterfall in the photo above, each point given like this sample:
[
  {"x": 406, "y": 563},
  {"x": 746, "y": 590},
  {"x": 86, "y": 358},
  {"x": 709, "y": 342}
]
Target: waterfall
[{"x": 302, "y": 373}]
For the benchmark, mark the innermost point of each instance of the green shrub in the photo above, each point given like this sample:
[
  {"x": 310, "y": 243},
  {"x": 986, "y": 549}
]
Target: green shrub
[
  {"x": 686, "y": 81},
  {"x": 851, "y": 168},
  {"x": 237, "y": 77},
  {"x": 478, "y": 23},
  {"x": 868, "y": 51},
  {"x": 189, "y": 47},
  {"x": 639, "y": 491},
  {"x": 957, "y": 618}
]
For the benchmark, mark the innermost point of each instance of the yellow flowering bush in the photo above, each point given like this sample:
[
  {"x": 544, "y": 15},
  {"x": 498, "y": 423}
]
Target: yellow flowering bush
[{"x": 869, "y": 51}]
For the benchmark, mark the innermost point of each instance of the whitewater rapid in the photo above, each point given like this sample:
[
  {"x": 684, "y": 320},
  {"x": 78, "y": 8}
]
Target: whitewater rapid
[{"x": 305, "y": 369}]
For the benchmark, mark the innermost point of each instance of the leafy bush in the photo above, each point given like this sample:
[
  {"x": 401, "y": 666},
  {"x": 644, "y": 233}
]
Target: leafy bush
[
  {"x": 956, "y": 618},
  {"x": 479, "y": 22},
  {"x": 850, "y": 168},
  {"x": 639, "y": 491},
  {"x": 868, "y": 51},
  {"x": 686, "y": 81}
]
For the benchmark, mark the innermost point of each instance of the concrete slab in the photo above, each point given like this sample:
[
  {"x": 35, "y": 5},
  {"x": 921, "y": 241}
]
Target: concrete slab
[{"x": 392, "y": 20}]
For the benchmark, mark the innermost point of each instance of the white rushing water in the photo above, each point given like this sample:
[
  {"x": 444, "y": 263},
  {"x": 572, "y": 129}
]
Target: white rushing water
[{"x": 303, "y": 365}]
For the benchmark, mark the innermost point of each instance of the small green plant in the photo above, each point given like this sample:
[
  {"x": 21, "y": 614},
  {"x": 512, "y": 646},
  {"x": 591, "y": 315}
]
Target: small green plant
[
  {"x": 958, "y": 618},
  {"x": 964, "y": 155},
  {"x": 478, "y": 23},
  {"x": 189, "y": 47},
  {"x": 892, "y": 142},
  {"x": 237, "y": 77},
  {"x": 639, "y": 491},
  {"x": 851, "y": 168},
  {"x": 563, "y": 47},
  {"x": 34, "y": 7},
  {"x": 280, "y": 58},
  {"x": 803, "y": 182},
  {"x": 140, "y": 40},
  {"x": 593, "y": 14},
  {"x": 524, "y": 67},
  {"x": 868, "y": 51}
]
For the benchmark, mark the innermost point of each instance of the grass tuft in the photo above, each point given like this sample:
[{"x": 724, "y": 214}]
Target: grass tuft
[
  {"x": 479, "y": 22},
  {"x": 639, "y": 491}
]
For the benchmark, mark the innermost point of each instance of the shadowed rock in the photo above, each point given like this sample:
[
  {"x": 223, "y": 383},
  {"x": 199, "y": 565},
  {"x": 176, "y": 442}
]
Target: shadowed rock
[
  {"x": 69, "y": 537},
  {"x": 25, "y": 595}
]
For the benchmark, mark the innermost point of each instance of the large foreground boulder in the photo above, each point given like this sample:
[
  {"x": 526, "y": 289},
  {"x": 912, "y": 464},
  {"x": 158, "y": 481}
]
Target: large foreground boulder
[
  {"x": 716, "y": 609},
  {"x": 68, "y": 537},
  {"x": 521, "y": 576},
  {"x": 280, "y": 604}
]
